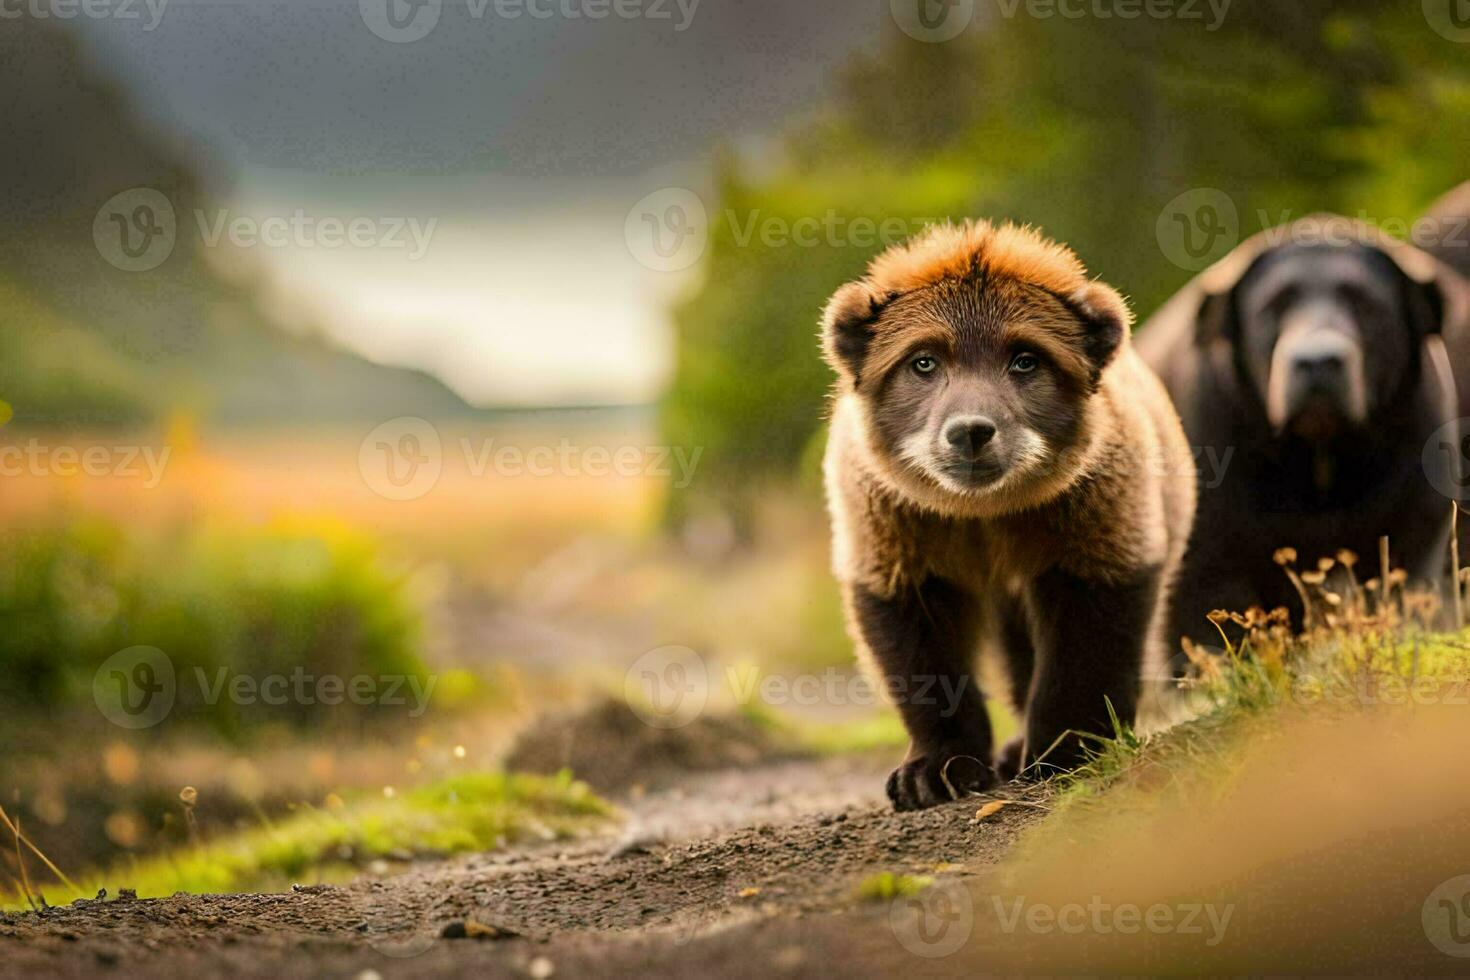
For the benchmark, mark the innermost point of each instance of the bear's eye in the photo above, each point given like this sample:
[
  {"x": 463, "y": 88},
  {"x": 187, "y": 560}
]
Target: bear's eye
[
  {"x": 925, "y": 364},
  {"x": 1025, "y": 363}
]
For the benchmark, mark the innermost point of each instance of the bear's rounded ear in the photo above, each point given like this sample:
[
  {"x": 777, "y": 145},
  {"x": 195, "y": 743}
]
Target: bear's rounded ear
[
  {"x": 1429, "y": 290},
  {"x": 847, "y": 328},
  {"x": 1218, "y": 318},
  {"x": 1107, "y": 320},
  {"x": 1425, "y": 304}
]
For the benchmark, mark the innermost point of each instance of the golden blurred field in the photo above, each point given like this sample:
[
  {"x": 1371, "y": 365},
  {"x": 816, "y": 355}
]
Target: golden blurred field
[{"x": 481, "y": 519}]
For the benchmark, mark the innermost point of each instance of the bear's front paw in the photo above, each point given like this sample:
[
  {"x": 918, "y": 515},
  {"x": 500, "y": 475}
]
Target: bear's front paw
[
  {"x": 1011, "y": 764},
  {"x": 928, "y": 778},
  {"x": 1008, "y": 759}
]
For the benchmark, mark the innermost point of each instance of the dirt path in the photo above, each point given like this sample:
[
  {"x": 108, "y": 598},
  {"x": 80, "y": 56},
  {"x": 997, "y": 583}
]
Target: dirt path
[{"x": 736, "y": 872}]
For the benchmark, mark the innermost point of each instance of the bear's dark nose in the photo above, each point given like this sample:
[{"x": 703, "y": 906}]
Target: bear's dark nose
[
  {"x": 1323, "y": 371},
  {"x": 968, "y": 435},
  {"x": 1318, "y": 360}
]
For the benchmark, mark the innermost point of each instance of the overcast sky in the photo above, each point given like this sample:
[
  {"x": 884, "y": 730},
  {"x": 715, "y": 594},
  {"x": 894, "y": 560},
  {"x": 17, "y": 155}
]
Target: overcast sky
[{"x": 515, "y": 145}]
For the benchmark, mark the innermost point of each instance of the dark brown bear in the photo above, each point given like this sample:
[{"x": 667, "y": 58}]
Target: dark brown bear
[
  {"x": 1310, "y": 368},
  {"x": 1002, "y": 466}
]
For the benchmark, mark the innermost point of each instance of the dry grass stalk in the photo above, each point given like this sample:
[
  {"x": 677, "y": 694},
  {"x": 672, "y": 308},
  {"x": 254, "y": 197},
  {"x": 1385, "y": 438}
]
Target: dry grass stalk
[
  {"x": 1286, "y": 558},
  {"x": 1386, "y": 576},
  {"x": 14, "y": 827},
  {"x": 1332, "y": 618},
  {"x": 25, "y": 879},
  {"x": 1458, "y": 608},
  {"x": 1358, "y": 602}
]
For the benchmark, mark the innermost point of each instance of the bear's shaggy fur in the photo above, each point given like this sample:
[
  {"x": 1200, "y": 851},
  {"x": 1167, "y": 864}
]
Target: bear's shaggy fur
[
  {"x": 1000, "y": 461},
  {"x": 1445, "y": 229},
  {"x": 1449, "y": 242}
]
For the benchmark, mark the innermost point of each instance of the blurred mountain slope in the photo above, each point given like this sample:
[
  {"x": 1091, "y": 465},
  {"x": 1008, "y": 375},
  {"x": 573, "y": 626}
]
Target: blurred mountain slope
[{"x": 99, "y": 343}]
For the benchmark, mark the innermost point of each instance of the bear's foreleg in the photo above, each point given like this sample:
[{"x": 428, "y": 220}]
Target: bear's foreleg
[
  {"x": 1090, "y": 636},
  {"x": 923, "y": 642}
]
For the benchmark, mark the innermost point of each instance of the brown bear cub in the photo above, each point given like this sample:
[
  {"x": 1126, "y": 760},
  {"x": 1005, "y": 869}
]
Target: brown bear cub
[{"x": 1002, "y": 467}]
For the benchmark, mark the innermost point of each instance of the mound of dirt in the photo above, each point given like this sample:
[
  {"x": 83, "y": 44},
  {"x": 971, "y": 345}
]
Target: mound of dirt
[{"x": 609, "y": 747}]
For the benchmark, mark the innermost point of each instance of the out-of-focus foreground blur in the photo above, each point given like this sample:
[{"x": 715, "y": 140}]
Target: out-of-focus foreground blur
[{"x": 377, "y": 379}]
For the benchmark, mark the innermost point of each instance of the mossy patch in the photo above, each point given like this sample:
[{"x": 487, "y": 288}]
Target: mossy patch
[
  {"x": 473, "y": 812},
  {"x": 886, "y": 886}
]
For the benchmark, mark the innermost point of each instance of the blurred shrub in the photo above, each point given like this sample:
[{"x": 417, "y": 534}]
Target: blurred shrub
[{"x": 290, "y": 598}]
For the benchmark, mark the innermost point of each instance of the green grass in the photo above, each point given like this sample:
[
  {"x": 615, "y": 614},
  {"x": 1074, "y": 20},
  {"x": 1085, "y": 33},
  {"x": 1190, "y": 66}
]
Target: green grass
[
  {"x": 474, "y": 812},
  {"x": 1262, "y": 677},
  {"x": 1248, "y": 700}
]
